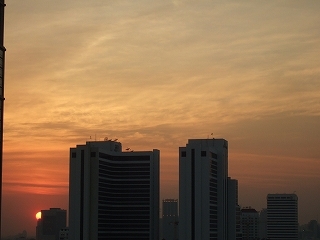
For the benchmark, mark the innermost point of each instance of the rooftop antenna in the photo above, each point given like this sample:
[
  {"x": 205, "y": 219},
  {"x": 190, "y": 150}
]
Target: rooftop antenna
[{"x": 2, "y": 61}]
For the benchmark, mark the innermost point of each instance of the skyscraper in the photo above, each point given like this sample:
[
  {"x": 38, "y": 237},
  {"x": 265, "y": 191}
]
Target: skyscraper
[
  {"x": 282, "y": 216},
  {"x": 170, "y": 219},
  {"x": 113, "y": 194},
  {"x": 50, "y": 224},
  {"x": 203, "y": 190}
]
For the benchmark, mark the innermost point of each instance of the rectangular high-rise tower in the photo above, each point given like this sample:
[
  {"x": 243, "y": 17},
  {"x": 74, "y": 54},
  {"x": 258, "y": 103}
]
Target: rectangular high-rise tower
[
  {"x": 203, "y": 190},
  {"x": 113, "y": 194},
  {"x": 282, "y": 216}
]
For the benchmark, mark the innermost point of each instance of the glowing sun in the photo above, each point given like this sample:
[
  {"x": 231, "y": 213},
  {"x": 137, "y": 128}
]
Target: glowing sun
[{"x": 38, "y": 215}]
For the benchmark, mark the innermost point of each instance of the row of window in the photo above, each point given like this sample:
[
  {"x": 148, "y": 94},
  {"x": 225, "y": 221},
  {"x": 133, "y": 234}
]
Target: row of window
[
  {"x": 128, "y": 182},
  {"x": 213, "y": 190},
  {"x": 131, "y": 168},
  {"x": 123, "y": 191},
  {"x": 122, "y": 201},
  {"x": 124, "y": 186},
  {"x": 213, "y": 183},
  {"x": 113, "y": 235},
  {"x": 124, "y": 158},
  {"x": 213, "y": 200},
  {"x": 124, "y": 176},
  {"x": 107, "y": 208},
  {"x": 126, "y": 222},
  {"x": 114, "y": 164},
  {"x": 124, "y": 173},
  {"x": 124, "y": 216},
  {"x": 124, "y": 195}
]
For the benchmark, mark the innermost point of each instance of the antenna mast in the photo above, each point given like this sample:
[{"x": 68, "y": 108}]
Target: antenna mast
[{"x": 2, "y": 61}]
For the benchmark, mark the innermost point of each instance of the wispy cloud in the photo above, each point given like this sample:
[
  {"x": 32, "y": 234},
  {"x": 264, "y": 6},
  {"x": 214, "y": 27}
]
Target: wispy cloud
[{"x": 155, "y": 74}]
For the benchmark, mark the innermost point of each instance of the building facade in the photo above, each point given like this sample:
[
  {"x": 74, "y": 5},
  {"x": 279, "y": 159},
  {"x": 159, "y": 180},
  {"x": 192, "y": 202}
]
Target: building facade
[
  {"x": 113, "y": 194},
  {"x": 263, "y": 224},
  {"x": 234, "y": 211},
  {"x": 250, "y": 224},
  {"x": 203, "y": 190},
  {"x": 64, "y": 234},
  {"x": 282, "y": 216},
  {"x": 50, "y": 224},
  {"x": 170, "y": 219}
]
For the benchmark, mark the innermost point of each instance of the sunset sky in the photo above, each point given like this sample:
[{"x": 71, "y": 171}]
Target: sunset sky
[{"x": 154, "y": 74}]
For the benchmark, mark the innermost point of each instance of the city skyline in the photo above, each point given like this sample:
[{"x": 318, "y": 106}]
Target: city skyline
[{"x": 154, "y": 75}]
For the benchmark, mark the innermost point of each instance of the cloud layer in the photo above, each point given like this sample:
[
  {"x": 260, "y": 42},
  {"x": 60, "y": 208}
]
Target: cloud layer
[{"x": 154, "y": 75}]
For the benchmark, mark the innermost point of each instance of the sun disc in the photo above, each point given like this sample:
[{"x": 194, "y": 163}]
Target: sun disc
[{"x": 38, "y": 215}]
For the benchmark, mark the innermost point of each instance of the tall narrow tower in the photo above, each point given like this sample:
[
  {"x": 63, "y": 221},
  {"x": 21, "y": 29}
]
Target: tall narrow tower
[
  {"x": 2, "y": 53},
  {"x": 203, "y": 190}
]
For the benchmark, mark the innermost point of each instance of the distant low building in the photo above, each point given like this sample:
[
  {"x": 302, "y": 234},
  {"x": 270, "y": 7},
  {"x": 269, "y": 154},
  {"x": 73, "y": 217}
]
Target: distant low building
[
  {"x": 170, "y": 219},
  {"x": 50, "y": 224},
  {"x": 282, "y": 216},
  {"x": 250, "y": 224},
  {"x": 310, "y": 231},
  {"x": 234, "y": 213},
  {"x": 263, "y": 224}
]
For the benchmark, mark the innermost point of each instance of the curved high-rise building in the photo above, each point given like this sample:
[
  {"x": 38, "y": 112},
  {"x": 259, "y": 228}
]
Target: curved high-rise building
[{"x": 113, "y": 194}]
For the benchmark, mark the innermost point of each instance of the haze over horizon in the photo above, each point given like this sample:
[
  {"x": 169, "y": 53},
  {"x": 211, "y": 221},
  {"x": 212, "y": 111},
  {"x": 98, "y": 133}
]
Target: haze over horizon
[{"x": 153, "y": 75}]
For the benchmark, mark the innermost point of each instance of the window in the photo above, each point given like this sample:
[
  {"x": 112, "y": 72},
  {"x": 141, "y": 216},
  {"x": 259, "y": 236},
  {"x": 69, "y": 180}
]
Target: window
[
  {"x": 183, "y": 153},
  {"x": 214, "y": 155}
]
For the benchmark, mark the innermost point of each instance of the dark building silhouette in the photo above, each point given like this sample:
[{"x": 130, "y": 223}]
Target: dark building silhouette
[
  {"x": 250, "y": 224},
  {"x": 207, "y": 197},
  {"x": 234, "y": 211},
  {"x": 170, "y": 219},
  {"x": 282, "y": 216},
  {"x": 310, "y": 231},
  {"x": 263, "y": 224},
  {"x": 113, "y": 194},
  {"x": 50, "y": 224}
]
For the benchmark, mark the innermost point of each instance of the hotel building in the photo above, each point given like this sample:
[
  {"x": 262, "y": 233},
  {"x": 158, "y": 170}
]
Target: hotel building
[{"x": 113, "y": 194}]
